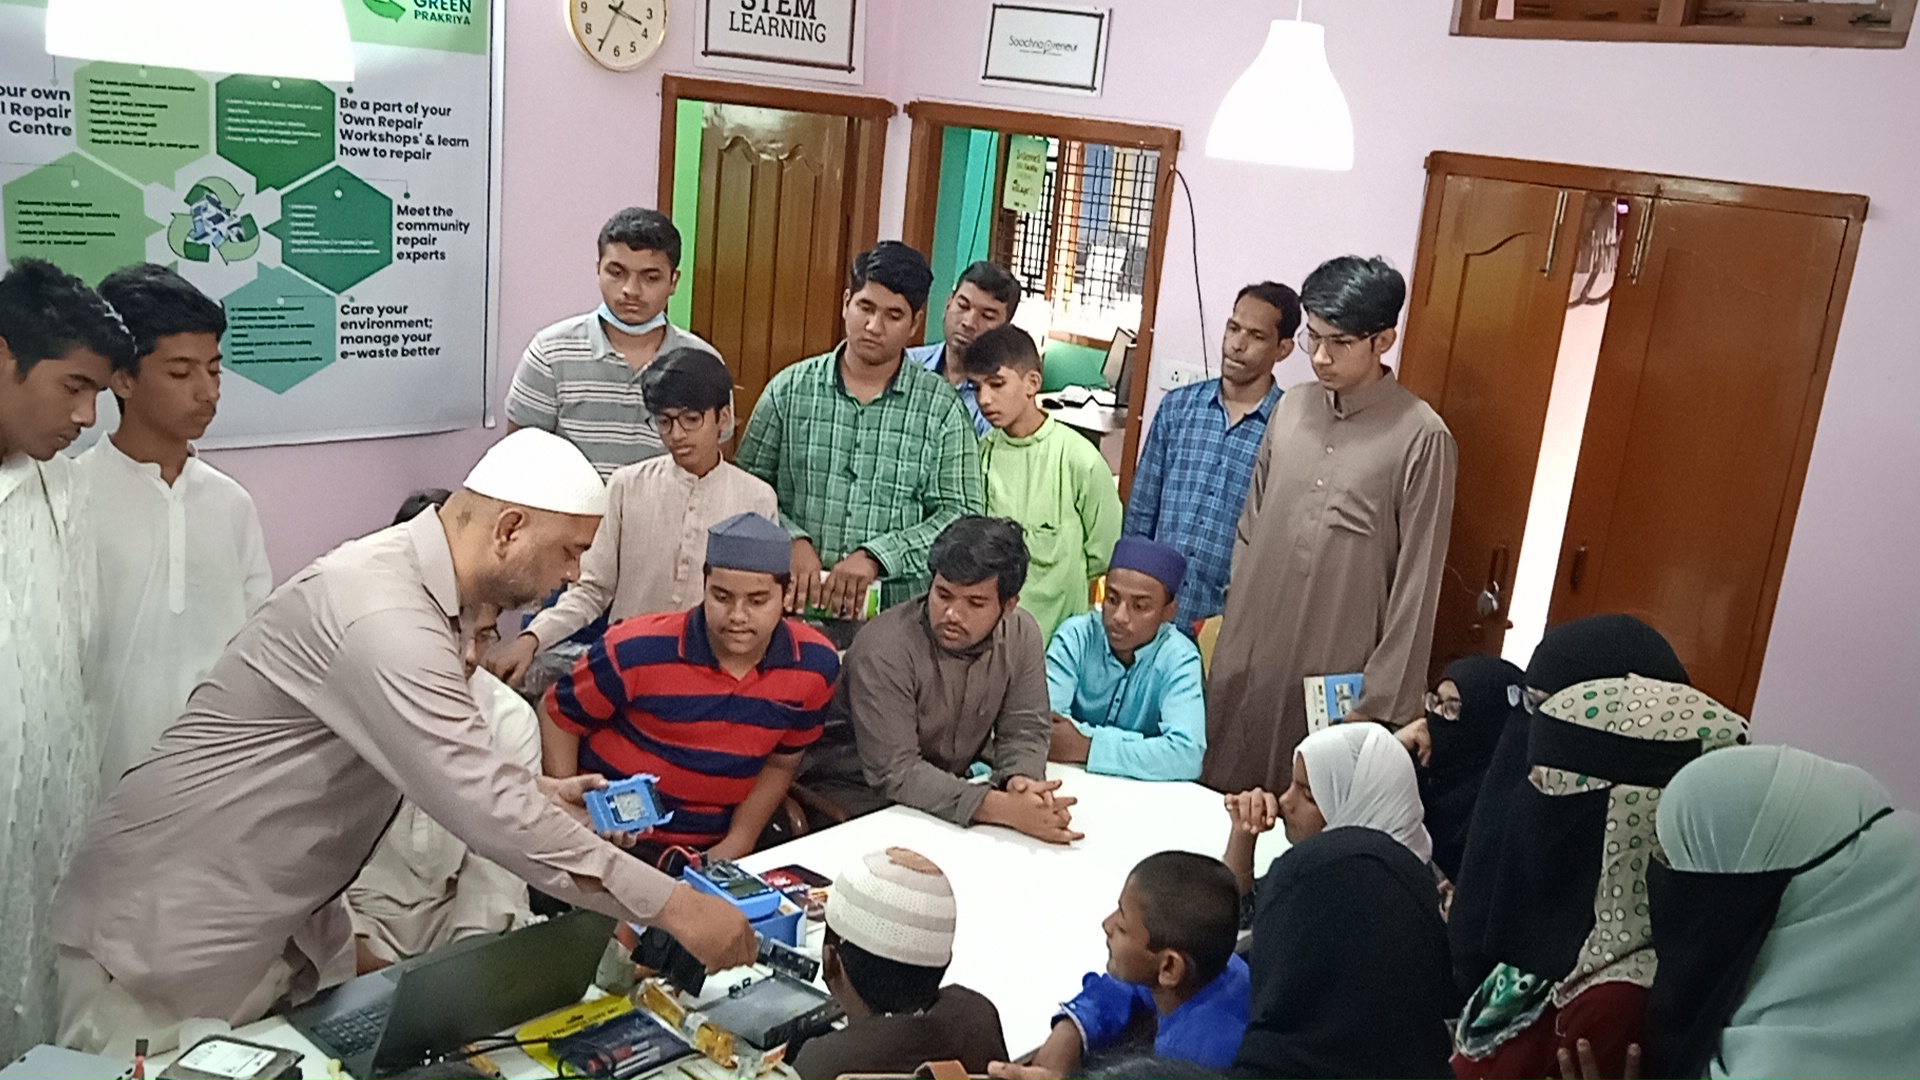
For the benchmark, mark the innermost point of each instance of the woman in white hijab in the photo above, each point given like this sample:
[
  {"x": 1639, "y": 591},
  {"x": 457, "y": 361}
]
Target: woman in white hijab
[
  {"x": 1343, "y": 775},
  {"x": 1785, "y": 921}
]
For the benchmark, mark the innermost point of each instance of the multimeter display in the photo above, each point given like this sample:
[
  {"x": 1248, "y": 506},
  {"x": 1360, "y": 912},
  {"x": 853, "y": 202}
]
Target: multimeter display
[{"x": 755, "y": 898}]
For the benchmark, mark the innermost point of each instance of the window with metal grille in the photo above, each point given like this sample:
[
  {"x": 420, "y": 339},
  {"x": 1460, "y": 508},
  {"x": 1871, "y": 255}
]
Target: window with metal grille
[
  {"x": 1084, "y": 249},
  {"x": 1838, "y": 23}
]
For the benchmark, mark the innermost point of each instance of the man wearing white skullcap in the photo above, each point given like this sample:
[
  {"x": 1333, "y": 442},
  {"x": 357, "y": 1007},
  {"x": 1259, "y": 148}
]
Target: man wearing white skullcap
[
  {"x": 890, "y": 922},
  {"x": 210, "y": 883}
]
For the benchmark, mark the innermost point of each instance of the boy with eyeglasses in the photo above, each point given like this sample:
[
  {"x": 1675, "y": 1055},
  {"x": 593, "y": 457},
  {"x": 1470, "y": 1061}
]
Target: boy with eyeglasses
[
  {"x": 1337, "y": 562},
  {"x": 646, "y": 558}
]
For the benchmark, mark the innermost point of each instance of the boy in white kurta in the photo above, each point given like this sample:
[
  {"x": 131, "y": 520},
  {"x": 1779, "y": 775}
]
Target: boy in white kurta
[
  {"x": 58, "y": 343},
  {"x": 182, "y": 559}
]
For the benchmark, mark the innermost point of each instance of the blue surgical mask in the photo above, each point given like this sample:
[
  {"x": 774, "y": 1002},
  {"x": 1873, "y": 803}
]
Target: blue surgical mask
[{"x": 649, "y": 326}]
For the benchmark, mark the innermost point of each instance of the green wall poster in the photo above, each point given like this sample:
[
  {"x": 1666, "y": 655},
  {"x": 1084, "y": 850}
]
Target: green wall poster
[{"x": 345, "y": 227}]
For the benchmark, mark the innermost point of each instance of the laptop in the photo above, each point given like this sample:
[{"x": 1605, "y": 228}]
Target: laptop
[{"x": 399, "y": 1017}]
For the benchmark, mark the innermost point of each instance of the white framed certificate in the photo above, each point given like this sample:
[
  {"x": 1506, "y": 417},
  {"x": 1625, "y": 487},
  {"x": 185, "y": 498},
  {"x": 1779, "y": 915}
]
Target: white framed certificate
[{"x": 1051, "y": 47}]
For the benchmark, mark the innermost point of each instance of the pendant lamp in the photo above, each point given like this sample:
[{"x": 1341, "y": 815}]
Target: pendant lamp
[
  {"x": 304, "y": 39},
  {"x": 1286, "y": 109}
]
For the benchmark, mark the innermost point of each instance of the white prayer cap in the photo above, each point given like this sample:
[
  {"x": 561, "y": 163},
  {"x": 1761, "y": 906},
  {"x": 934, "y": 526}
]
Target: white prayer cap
[
  {"x": 895, "y": 904},
  {"x": 541, "y": 470}
]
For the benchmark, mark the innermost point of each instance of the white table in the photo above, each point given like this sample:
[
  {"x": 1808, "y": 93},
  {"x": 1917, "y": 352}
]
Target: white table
[{"x": 1030, "y": 912}]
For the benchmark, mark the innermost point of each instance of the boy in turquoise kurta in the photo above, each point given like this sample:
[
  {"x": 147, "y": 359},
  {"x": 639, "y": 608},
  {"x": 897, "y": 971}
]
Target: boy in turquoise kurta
[
  {"x": 1124, "y": 683},
  {"x": 1045, "y": 476}
]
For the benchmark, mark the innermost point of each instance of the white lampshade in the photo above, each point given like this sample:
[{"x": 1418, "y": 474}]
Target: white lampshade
[
  {"x": 1286, "y": 109},
  {"x": 304, "y": 39}
]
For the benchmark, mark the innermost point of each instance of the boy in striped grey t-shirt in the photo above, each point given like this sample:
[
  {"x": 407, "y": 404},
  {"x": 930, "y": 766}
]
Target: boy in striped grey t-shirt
[{"x": 580, "y": 377}]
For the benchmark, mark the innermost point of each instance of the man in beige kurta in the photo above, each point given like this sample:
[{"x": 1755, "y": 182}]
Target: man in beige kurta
[
  {"x": 1337, "y": 562},
  {"x": 210, "y": 883}
]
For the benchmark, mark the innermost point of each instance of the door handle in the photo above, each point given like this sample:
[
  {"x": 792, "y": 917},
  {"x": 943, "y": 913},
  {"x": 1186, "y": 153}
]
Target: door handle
[
  {"x": 1553, "y": 238},
  {"x": 1490, "y": 599},
  {"x": 1644, "y": 238},
  {"x": 1578, "y": 570}
]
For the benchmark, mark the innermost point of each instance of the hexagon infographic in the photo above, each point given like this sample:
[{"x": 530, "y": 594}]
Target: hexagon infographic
[
  {"x": 148, "y": 122},
  {"x": 280, "y": 330},
  {"x": 213, "y": 223},
  {"x": 336, "y": 229},
  {"x": 277, "y": 129},
  {"x": 75, "y": 213}
]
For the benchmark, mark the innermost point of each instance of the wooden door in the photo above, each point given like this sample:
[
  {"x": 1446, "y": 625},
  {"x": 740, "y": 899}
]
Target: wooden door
[
  {"x": 1483, "y": 334},
  {"x": 1703, "y": 409},
  {"x": 774, "y": 238}
]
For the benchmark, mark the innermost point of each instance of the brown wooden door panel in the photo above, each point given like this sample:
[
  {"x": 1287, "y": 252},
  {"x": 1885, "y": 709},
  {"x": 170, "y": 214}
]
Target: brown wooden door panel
[
  {"x": 775, "y": 209},
  {"x": 1711, "y": 361},
  {"x": 1482, "y": 340}
]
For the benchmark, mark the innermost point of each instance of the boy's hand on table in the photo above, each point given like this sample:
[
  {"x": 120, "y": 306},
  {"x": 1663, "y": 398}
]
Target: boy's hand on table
[
  {"x": 1032, "y": 809},
  {"x": 1067, "y": 745},
  {"x": 1010, "y": 1071},
  {"x": 1253, "y": 812}
]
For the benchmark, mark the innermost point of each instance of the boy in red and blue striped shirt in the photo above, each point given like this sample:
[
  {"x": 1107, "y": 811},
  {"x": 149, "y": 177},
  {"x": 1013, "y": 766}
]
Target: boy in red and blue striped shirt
[{"x": 718, "y": 701}]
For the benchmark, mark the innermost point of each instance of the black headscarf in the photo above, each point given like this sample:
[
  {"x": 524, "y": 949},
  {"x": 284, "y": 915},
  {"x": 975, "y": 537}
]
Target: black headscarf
[
  {"x": 1450, "y": 781},
  {"x": 1597, "y": 647},
  {"x": 1349, "y": 962}
]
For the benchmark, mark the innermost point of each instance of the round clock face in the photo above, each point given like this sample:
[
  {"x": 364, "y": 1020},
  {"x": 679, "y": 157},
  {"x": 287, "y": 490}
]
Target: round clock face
[{"x": 618, "y": 34}]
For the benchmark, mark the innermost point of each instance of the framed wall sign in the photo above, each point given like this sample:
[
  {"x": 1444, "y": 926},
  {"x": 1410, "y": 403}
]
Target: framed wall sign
[
  {"x": 1047, "y": 47},
  {"x": 803, "y": 39}
]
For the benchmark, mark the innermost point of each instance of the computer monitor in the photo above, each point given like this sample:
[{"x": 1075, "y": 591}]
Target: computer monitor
[{"x": 1118, "y": 370}]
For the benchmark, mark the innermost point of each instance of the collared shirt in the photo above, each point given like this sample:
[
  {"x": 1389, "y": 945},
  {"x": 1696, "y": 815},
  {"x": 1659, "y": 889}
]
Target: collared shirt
[
  {"x": 923, "y": 714},
  {"x": 1148, "y": 719},
  {"x": 1191, "y": 484},
  {"x": 886, "y": 476},
  {"x": 933, "y": 357},
  {"x": 1057, "y": 486},
  {"x": 1206, "y": 1029},
  {"x": 647, "y": 555},
  {"x": 574, "y": 383},
  {"x": 651, "y": 697},
  {"x": 230, "y": 844},
  {"x": 182, "y": 565},
  {"x": 49, "y": 745}
]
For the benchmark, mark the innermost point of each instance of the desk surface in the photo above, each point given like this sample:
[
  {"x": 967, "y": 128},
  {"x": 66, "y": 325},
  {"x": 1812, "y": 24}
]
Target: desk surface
[{"x": 1030, "y": 912}]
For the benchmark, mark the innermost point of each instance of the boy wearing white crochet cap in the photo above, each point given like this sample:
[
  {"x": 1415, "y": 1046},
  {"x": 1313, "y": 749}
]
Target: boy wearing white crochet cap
[{"x": 889, "y": 940}]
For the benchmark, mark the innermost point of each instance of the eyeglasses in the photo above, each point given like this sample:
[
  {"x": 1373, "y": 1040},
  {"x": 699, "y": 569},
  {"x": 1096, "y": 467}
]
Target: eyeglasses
[
  {"x": 1446, "y": 708},
  {"x": 1533, "y": 699},
  {"x": 686, "y": 420},
  {"x": 1337, "y": 345}
]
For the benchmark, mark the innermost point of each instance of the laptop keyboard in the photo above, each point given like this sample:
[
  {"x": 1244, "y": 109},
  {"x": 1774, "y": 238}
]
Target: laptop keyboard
[{"x": 355, "y": 1032}]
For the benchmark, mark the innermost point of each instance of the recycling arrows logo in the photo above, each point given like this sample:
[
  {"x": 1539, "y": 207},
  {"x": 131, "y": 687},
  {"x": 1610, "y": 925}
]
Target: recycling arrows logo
[
  {"x": 213, "y": 222},
  {"x": 386, "y": 9}
]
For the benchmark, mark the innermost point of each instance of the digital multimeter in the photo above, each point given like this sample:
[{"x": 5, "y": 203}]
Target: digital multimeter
[
  {"x": 755, "y": 898},
  {"x": 631, "y": 805}
]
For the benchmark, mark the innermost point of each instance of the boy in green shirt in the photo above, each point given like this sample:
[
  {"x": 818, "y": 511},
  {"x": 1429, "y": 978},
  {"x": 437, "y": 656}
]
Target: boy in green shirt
[{"x": 1041, "y": 473}]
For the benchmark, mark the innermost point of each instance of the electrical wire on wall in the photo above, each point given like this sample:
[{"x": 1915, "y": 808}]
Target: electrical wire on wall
[{"x": 1193, "y": 246}]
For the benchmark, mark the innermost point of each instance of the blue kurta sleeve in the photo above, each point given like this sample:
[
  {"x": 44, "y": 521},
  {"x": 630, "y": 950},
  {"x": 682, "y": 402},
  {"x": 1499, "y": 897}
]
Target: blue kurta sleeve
[
  {"x": 1064, "y": 656},
  {"x": 1103, "y": 1008}
]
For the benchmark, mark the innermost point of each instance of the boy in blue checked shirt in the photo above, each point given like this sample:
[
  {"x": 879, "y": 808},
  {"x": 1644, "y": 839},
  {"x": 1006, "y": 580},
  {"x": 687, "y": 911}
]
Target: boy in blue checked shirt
[
  {"x": 1171, "y": 970},
  {"x": 1198, "y": 462}
]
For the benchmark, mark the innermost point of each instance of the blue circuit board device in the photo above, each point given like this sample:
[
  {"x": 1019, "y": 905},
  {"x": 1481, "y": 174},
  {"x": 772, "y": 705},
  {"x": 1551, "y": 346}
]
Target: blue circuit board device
[{"x": 631, "y": 805}]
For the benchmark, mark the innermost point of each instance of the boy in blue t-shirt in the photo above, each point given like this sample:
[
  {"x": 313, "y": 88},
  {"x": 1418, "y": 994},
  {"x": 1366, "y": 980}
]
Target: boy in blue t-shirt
[{"x": 1171, "y": 971}]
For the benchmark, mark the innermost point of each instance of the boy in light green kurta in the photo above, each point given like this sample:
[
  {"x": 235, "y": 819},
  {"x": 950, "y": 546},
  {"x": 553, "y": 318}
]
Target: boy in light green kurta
[{"x": 1044, "y": 475}]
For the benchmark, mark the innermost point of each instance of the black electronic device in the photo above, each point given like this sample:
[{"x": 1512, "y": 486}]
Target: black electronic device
[
  {"x": 663, "y": 953},
  {"x": 407, "y": 1014},
  {"x": 788, "y": 960},
  {"x": 774, "y": 1011}
]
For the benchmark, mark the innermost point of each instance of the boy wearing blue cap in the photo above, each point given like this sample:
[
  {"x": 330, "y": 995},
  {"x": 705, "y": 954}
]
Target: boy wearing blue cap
[
  {"x": 1044, "y": 475},
  {"x": 1125, "y": 685},
  {"x": 718, "y": 702}
]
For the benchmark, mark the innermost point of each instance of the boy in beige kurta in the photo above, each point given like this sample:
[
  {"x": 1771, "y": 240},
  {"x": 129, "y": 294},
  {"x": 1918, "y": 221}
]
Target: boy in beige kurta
[{"x": 1337, "y": 562}]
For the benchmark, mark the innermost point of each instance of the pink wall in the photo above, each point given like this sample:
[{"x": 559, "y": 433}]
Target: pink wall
[{"x": 1841, "y": 675}]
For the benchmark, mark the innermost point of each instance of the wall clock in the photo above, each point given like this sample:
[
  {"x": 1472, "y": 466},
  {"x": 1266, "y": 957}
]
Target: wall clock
[{"x": 620, "y": 35}]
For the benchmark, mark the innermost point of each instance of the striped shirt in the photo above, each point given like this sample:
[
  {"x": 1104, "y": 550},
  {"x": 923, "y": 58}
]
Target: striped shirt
[
  {"x": 573, "y": 383},
  {"x": 651, "y": 697},
  {"x": 885, "y": 477},
  {"x": 1191, "y": 484}
]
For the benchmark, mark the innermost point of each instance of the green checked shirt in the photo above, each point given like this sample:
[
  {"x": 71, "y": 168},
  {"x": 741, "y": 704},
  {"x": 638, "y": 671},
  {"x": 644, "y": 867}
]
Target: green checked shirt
[{"x": 886, "y": 476}]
